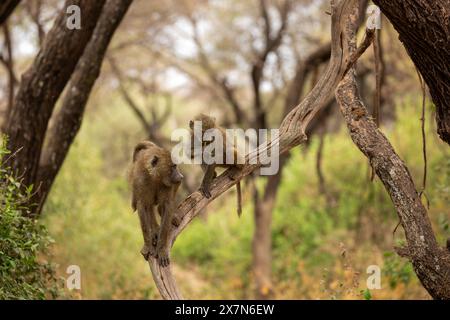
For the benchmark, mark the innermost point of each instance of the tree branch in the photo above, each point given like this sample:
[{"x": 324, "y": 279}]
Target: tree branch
[
  {"x": 67, "y": 121},
  {"x": 431, "y": 263},
  {"x": 344, "y": 16},
  {"x": 43, "y": 83}
]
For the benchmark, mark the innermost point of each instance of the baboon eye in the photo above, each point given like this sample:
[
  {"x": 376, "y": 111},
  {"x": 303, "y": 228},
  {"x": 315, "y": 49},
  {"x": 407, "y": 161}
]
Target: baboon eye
[{"x": 154, "y": 161}]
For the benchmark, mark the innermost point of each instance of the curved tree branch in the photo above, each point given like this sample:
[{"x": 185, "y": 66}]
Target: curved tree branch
[
  {"x": 431, "y": 263},
  {"x": 292, "y": 133}
]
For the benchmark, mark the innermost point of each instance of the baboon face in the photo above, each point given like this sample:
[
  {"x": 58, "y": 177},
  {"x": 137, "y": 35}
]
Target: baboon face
[
  {"x": 158, "y": 163},
  {"x": 162, "y": 165},
  {"x": 207, "y": 122}
]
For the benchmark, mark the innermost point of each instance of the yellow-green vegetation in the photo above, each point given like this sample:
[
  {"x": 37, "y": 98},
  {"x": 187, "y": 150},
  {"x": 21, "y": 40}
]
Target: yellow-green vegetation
[
  {"x": 322, "y": 244},
  {"x": 24, "y": 274}
]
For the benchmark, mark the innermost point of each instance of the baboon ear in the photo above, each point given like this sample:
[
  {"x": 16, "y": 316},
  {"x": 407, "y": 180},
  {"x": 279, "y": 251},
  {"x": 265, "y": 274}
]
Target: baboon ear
[{"x": 154, "y": 161}]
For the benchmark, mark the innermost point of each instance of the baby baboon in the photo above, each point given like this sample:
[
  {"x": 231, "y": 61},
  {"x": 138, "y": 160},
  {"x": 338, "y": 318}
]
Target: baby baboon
[
  {"x": 209, "y": 170},
  {"x": 154, "y": 179}
]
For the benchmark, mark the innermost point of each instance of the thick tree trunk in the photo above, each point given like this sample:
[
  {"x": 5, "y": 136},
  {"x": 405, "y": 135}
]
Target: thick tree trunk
[
  {"x": 424, "y": 30},
  {"x": 43, "y": 83},
  {"x": 262, "y": 237},
  {"x": 6, "y": 8},
  {"x": 68, "y": 120},
  {"x": 9, "y": 65},
  {"x": 262, "y": 247}
]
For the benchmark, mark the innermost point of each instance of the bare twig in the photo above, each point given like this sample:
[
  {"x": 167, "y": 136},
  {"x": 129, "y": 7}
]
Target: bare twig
[
  {"x": 291, "y": 134},
  {"x": 424, "y": 140},
  {"x": 431, "y": 263}
]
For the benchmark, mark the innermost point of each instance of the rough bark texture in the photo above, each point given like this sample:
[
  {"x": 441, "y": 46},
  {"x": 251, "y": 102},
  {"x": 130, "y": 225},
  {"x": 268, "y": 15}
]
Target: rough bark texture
[
  {"x": 424, "y": 30},
  {"x": 6, "y": 8},
  {"x": 43, "y": 83},
  {"x": 431, "y": 263},
  {"x": 344, "y": 16},
  {"x": 67, "y": 121}
]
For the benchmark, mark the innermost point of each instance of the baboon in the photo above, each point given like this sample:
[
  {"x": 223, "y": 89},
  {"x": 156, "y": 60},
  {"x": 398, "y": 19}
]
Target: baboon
[
  {"x": 154, "y": 180},
  {"x": 210, "y": 170}
]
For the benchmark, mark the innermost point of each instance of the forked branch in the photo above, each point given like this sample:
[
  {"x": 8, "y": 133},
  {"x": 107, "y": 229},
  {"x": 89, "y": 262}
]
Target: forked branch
[{"x": 292, "y": 133}]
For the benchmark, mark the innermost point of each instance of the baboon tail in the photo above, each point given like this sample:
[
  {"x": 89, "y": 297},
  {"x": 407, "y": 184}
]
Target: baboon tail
[{"x": 239, "y": 199}]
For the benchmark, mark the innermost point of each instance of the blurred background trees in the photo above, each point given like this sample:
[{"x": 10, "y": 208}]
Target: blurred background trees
[{"x": 308, "y": 232}]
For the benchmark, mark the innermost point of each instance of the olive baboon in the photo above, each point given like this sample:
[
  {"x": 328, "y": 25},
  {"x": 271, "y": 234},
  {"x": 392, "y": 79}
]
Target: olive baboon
[
  {"x": 154, "y": 180},
  {"x": 209, "y": 169}
]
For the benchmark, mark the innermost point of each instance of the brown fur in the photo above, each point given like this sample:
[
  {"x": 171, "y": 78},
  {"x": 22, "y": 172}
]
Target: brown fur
[
  {"x": 209, "y": 170},
  {"x": 154, "y": 180}
]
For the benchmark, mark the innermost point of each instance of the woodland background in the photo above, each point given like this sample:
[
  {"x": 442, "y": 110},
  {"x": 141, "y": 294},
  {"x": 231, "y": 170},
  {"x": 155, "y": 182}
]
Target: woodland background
[{"x": 310, "y": 232}]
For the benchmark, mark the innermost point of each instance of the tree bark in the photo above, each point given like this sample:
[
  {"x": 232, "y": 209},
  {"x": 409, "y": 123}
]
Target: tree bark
[
  {"x": 262, "y": 237},
  {"x": 424, "y": 30},
  {"x": 431, "y": 262},
  {"x": 67, "y": 121},
  {"x": 42, "y": 84},
  {"x": 9, "y": 65},
  {"x": 6, "y": 8}
]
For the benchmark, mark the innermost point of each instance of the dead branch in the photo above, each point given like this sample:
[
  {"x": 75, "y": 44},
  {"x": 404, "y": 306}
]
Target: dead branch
[{"x": 292, "y": 133}]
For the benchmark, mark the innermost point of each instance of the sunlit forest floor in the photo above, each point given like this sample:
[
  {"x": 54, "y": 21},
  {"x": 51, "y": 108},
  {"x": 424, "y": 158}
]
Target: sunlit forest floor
[{"x": 322, "y": 244}]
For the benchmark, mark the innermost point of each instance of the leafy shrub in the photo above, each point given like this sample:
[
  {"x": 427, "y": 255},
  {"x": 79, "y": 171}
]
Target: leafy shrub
[{"x": 22, "y": 240}]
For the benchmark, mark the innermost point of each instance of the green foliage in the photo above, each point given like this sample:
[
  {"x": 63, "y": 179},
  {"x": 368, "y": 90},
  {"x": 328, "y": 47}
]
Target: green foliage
[
  {"x": 23, "y": 275},
  {"x": 397, "y": 270},
  {"x": 367, "y": 295}
]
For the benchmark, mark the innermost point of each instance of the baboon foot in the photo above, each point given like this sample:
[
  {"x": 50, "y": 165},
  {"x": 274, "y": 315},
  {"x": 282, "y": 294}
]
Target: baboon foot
[
  {"x": 205, "y": 191},
  {"x": 176, "y": 221},
  {"x": 163, "y": 257},
  {"x": 145, "y": 251}
]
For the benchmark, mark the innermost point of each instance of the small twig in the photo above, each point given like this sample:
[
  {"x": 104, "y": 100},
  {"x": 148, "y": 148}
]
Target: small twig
[
  {"x": 377, "y": 95},
  {"x": 424, "y": 140},
  {"x": 368, "y": 39},
  {"x": 396, "y": 227}
]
